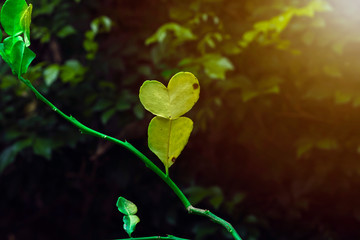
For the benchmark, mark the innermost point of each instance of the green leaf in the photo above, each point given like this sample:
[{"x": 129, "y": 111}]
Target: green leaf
[
  {"x": 217, "y": 199},
  {"x": 181, "y": 33},
  {"x": 139, "y": 111},
  {"x": 43, "y": 147},
  {"x": 101, "y": 24},
  {"x": 167, "y": 138},
  {"x": 16, "y": 54},
  {"x": 25, "y": 24},
  {"x": 173, "y": 101},
  {"x": 3, "y": 54},
  {"x": 51, "y": 73},
  {"x": 72, "y": 71},
  {"x": 9, "y": 43},
  {"x": 215, "y": 65},
  {"x": 9, "y": 154},
  {"x": 105, "y": 117},
  {"x": 197, "y": 194},
  {"x": 126, "y": 207},
  {"x": 66, "y": 31},
  {"x": 20, "y": 58},
  {"x": 102, "y": 104},
  {"x": 11, "y": 15},
  {"x": 130, "y": 223}
]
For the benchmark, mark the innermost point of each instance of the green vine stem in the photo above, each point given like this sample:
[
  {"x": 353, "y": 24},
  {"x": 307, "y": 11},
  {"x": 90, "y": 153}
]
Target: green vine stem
[
  {"x": 148, "y": 163},
  {"x": 169, "y": 237}
]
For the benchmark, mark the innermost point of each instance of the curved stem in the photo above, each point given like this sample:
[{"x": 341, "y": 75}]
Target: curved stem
[
  {"x": 148, "y": 163},
  {"x": 216, "y": 219}
]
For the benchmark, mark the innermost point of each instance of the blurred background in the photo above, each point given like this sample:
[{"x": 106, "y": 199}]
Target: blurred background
[{"x": 276, "y": 143}]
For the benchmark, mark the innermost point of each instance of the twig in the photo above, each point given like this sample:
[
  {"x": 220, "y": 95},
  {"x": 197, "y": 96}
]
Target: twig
[{"x": 148, "y": 163}]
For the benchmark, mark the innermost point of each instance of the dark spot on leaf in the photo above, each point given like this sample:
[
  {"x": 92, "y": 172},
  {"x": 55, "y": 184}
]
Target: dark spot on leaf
[
  {"x": 195, "y": 85},
  {"x": 173, "y": 159}
]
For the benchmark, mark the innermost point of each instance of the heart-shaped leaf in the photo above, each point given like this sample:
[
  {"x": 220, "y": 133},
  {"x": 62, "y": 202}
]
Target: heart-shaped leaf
[
  {"x": 126, "y": 207},
  {"x": 11, "y": 14},
  {"x": 168, "y": 137},
  {"x": 173, "y": 101},
  {"x": 130, "y": 223}
]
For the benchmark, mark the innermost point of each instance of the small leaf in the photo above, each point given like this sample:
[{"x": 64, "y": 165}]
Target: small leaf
[
  {"x": 173, "y": 101},
  {"x": 20, "y": 58},
  {"x": 9, "y": 154},
  {"x": 3, "y": 54},
  {"x": 167, "y": 138},
  {"x": 139, "y": 111},
  {"x": 66, "y": 31},
  {"x": 105, "y": 117},
  {"x": 72, "y": 71},
  {"x": 196, "y": 194},
  {"x": 130, "y": 223},
  {"x": 43, "y": 147},
  {"x": 51, "y": 73},
  {"x": 181, "y": 33},
  {"x": 126, "y": 207},
  {"x": 215, "y": 66},
  {"x": 11, "y": 14},
  {"x": 9, "y": 43},
  {"x": 25, "y": 23},
  {"x": 16, "y": 54},
  {"x": 101, "y": 24}
]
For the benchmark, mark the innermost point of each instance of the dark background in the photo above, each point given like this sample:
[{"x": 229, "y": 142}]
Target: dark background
[{"x": 276, "y": 141}]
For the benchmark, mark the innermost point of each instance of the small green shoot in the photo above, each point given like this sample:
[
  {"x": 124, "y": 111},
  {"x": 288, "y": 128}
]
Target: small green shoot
[{"x": 129, "y": 209}]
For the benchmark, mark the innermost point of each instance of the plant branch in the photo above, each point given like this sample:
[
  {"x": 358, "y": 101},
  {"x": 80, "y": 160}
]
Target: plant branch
[
  {"x": 216, "y": 219},
  {"x": 148, "y": 163}
]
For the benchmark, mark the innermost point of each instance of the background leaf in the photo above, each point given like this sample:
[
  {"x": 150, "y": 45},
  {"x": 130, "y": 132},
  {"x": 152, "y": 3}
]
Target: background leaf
[
  {"x": 181, "y": 33},
  {"x": 51, "y": 73},
  {"x": 9, "y": 154}
]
